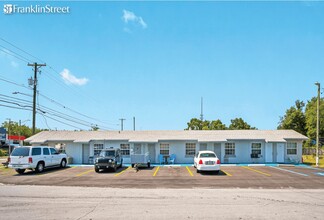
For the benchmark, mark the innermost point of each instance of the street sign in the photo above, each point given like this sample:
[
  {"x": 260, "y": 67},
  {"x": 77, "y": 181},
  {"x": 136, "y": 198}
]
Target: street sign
[{"x": 3, "y": 134}]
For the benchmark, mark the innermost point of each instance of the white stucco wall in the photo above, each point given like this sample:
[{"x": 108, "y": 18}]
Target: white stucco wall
[
  {"x": 74, "y": 150},
  {"x": 242, "y": 151},
  {"x": 294, "y": 158}
]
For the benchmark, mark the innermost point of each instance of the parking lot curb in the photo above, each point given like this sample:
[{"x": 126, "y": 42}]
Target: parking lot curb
[{"x": 223, "y": 165}]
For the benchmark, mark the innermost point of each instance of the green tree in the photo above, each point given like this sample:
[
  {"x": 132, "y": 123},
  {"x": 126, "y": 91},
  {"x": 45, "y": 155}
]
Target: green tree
[
  {"x": 196, "y": 124},
  {"x": 294, "y": 118},
  {"x": 240, "y": 124},
  {"x": 311, "y": 117},
  {"x": 94, "y": 128},
  {"x": 217, "y": 125},
  {"x": 22, "y": 130}
]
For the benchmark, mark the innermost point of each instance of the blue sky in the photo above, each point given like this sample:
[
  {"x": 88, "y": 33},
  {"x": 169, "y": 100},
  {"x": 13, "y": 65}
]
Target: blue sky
[{"x": 155, "y": 60}]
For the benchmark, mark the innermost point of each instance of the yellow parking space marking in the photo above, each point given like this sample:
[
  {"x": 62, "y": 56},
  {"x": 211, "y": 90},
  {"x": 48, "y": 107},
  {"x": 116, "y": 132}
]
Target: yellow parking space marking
[
  {"x": 88, "y": 171},
  {"x": 227, "y": 174},
  {"x": 117, "y": 174},
  {"x": 258, "y": 171},
  {"x": 157, "y": 169},
  {"x": 189, "y": 171}
]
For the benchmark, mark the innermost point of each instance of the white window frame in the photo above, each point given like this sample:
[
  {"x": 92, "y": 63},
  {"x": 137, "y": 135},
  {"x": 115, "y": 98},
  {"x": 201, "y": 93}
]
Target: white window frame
[
  {"x": 165, "y": 149},
  {"x": 230, "y": 149},
  {"x": 256, "y": 148},
  {"x": 97, "y": 148},
  {"x": 190, "y": 149},
  {"x": 125, "y": 149},
  {"x": 291, "y": 146}
]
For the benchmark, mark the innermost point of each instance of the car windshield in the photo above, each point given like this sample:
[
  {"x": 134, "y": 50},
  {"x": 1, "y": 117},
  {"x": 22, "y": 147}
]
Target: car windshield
[
  {"x": 21, "y": 151},
  {"x": 107, "y": 153},
  {"x": 210, "y": 155}
]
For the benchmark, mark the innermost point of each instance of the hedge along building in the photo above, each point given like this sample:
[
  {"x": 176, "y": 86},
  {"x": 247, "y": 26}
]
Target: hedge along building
[{"x": 231, "y": 146}]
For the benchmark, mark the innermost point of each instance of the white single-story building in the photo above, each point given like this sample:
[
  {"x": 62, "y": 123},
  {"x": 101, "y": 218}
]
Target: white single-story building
[{"x": 231, "y": 146}]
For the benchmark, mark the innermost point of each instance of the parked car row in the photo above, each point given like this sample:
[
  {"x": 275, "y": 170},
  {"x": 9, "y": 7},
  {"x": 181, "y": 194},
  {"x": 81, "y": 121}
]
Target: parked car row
[{"x": 38, "y": 158}]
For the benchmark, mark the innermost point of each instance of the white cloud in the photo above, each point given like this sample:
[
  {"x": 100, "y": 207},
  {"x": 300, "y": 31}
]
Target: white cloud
[
  {"x": 129, "y": 16},
  {"x": 69, "y": 78}
]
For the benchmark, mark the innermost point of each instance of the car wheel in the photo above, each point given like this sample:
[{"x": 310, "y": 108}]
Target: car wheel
[
  {"x": 63, "y": 163},
  {"x": 198, "y": 171},
  {"x": 115, "y": 169},
  {"x": 20, "y": 171},
  {"x": 40, "y": 167},
  {"x": 97, "y": 170},
  {"x": 217, "y": 171},
  {"x": 148, "y": 164}
]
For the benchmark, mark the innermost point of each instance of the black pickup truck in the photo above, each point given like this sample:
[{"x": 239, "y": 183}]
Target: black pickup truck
[{"x": 108, "y": 159}]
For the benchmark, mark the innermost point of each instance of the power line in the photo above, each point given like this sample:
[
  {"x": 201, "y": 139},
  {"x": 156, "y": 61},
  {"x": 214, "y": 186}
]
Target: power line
[
  {"x": 25, "y": 59},
  {"x": 41, "y": 112},
  {"x": 45, "y": 110},
  {"x": 62, "y": 122},
  {"x": 76, "y": 112},
  {"x": 53, "y": 101},
  {"x": 21, "y": 49},
  {"x": 14, "y": 107},
  {"x": 22, "y": 57},
  {"x": 59, "y": 104},
  {"x": 14, "y": 56},
  {"x": 11, "y": 82}
]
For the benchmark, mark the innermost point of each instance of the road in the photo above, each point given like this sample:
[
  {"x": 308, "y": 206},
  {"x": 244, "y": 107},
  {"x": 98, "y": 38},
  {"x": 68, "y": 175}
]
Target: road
[{"x": 64, "y": 202}]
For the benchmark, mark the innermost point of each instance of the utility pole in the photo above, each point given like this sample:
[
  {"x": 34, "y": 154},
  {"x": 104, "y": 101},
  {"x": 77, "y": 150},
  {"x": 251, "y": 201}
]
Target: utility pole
[
  {"x": 122, "y": 123},
  {"x": 201, "y": 110},
  {"x": 317, "y": 120},
  {"x": 9, "y": 148},
  {"x": 19, "y": 131},
  {"x": 134, "y": 123},
  {"x": 36, "y": 66}
]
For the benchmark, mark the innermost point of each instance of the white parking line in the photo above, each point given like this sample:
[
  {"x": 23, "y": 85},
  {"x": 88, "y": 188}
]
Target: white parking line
[{"x": 290, "y": 171}]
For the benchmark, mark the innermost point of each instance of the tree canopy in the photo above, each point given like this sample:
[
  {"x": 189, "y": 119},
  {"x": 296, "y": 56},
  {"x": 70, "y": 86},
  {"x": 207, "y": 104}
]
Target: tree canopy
[
  {"x": 21, "y": 130},
  {"x": 240, "y": 124},
  {"x": 311, "y": 116},
  {"x": 197, "y": 124},
  {"x": 294, "y": 118},
  {"x": 303, "y": 119}
]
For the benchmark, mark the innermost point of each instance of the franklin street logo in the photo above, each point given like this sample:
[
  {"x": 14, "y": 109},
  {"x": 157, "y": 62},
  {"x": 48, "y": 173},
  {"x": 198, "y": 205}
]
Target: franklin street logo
[
  {"x": 34, "y": 9},
  {"x": 8, "y": 8}
]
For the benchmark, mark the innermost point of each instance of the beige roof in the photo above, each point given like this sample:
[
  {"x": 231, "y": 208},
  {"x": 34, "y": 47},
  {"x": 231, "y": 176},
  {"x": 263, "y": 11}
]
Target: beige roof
[{"x": 156, "y": 136}]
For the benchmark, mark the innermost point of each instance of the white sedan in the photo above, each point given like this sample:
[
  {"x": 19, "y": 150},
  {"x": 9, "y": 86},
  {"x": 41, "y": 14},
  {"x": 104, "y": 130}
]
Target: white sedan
[{"x": 206, "y": 161}]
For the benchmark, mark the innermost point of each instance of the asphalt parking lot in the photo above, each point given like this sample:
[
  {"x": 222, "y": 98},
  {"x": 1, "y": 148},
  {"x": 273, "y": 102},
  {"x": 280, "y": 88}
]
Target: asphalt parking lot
[{"x": 266, "y": 177}]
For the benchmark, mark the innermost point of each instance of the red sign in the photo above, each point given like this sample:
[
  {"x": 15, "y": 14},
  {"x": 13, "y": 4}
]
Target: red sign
[{"x": 16, "y": 137}]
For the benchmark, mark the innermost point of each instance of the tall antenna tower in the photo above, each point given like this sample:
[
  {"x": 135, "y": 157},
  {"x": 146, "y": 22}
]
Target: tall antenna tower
[{"x": 201, "y": 112}]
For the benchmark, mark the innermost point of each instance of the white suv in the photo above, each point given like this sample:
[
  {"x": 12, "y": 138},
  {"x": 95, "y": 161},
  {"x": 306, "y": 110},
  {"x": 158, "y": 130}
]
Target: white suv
[{"x": 35, "y": 158}]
